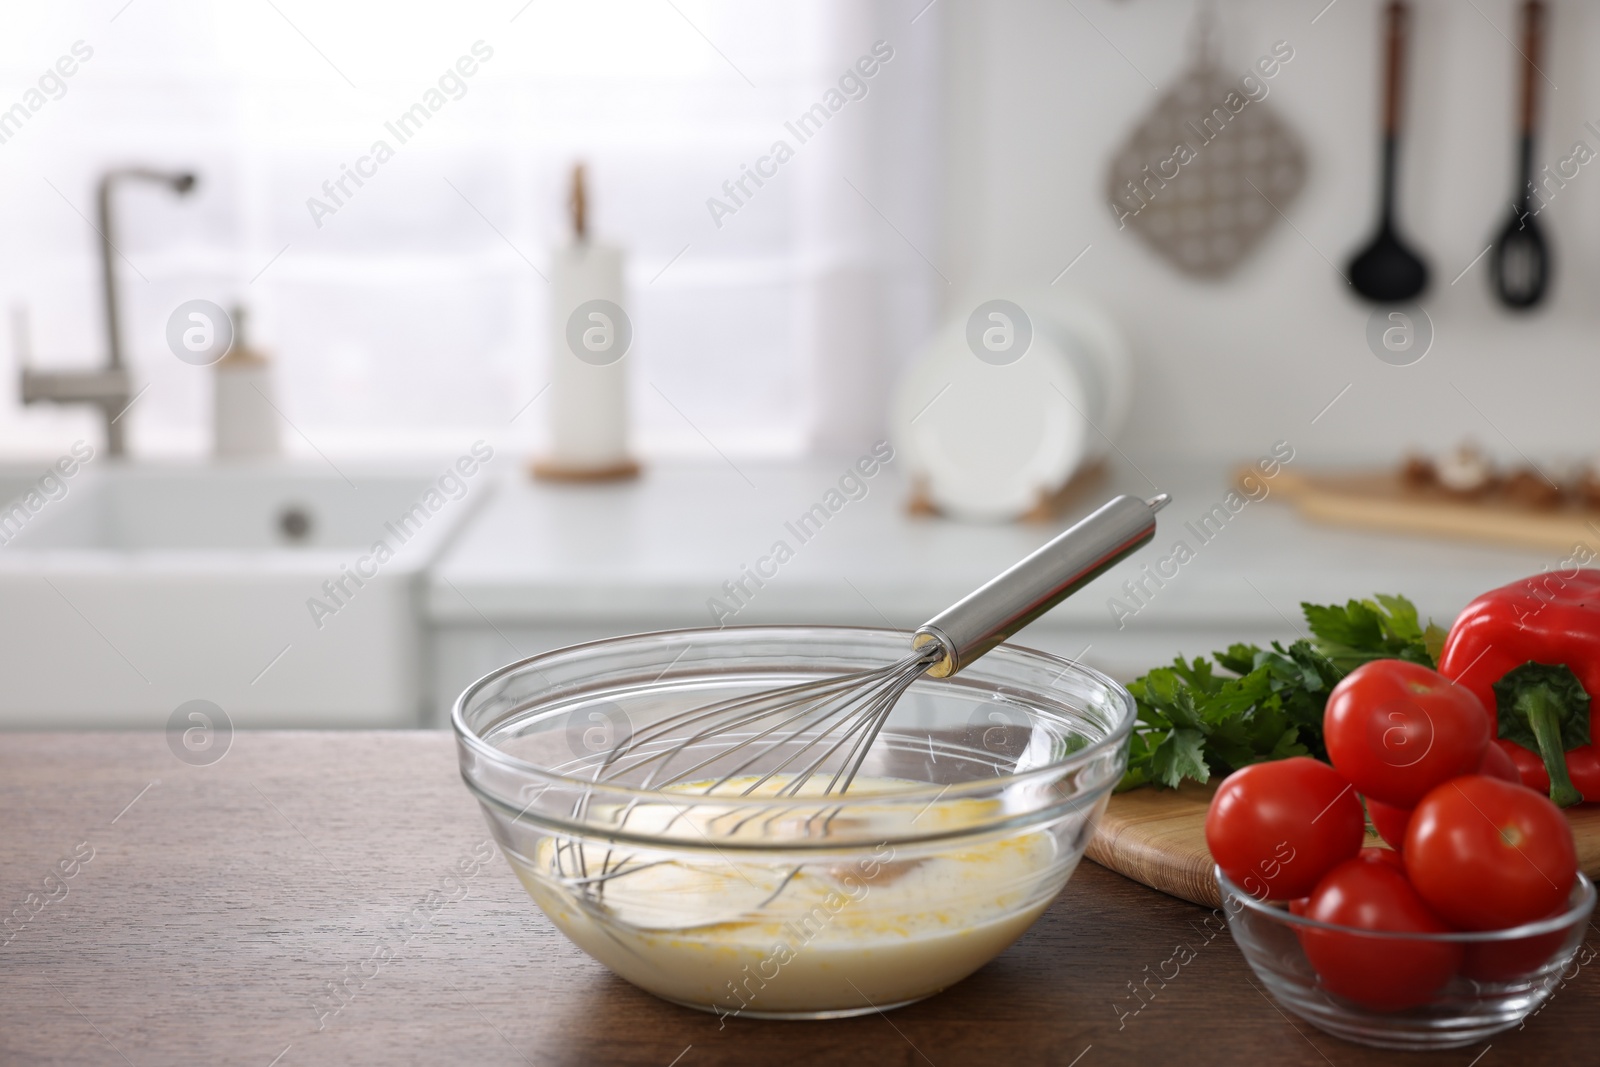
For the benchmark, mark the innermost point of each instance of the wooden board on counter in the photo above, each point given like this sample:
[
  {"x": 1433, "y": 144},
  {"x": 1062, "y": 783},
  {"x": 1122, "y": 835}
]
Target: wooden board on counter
[
  {"x": 1158, "y": 837},
  {"x": 1381, "y": 500}
]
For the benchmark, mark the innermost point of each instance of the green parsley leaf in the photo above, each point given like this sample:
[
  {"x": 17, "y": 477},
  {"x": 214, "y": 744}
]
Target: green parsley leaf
[
  {"x": 1364, "y": 630},
  {"x": 1181, "y": 755}
]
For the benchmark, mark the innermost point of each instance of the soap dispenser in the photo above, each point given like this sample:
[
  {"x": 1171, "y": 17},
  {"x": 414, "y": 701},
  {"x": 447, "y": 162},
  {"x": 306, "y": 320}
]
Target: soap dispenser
[{"x": 243, "y": 417}]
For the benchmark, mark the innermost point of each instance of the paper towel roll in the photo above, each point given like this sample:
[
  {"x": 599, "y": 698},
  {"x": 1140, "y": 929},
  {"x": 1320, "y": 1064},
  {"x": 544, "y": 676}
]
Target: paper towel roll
[{"x": 589, "y": 337}]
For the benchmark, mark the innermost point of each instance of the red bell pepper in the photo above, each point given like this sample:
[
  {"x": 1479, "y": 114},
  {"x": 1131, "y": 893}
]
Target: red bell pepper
[{"x": 1531, "y": 652}]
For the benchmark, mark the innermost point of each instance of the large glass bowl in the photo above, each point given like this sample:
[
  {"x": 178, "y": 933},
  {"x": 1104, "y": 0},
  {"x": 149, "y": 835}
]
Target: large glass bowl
[
  {"x": 1499, "y": 976},
  {"x": 971, "y": 811}
]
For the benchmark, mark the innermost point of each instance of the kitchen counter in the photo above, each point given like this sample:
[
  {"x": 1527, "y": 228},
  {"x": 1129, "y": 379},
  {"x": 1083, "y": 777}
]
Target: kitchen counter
[
  {"x": 545, "y": 565},
  {"x": 221, "y": 905},
  {"x": 660, "y": 547}
]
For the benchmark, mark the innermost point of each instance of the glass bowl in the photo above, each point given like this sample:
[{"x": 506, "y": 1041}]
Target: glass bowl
[
  {"x": 1495, "y": 978},
  {"x": 971, "y": 811}
]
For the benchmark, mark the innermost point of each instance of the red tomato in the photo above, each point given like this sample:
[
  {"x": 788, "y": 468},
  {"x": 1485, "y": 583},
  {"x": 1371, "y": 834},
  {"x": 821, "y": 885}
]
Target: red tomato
[
  {"x": 1506, "y": 961},
  {"x": 1583, "y": 767},
  {"x": 1390, "y": 822},
  {"x": 1497, "y": 763},
  {"x": 1387, "y": 856},
  {"x": 1487, "y": 855},
  {"x": 1381, "y": 973},
  {"x": 1396, "y": 729},
  {"x": 1276, "y": 828},
  {"x": 1530, "y": 768}
]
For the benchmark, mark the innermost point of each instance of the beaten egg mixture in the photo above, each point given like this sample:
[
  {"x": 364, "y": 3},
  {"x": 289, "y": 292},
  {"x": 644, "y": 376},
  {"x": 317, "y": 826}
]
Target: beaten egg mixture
[{"x": 743, "y": 934}]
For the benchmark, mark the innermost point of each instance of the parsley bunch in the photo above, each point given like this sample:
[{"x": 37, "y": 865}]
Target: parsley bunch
[{"x": 1195, "y": 722}]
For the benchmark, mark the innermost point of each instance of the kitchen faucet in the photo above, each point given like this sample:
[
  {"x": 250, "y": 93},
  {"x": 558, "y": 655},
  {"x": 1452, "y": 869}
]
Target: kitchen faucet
[{"x": 111, "y": 387}]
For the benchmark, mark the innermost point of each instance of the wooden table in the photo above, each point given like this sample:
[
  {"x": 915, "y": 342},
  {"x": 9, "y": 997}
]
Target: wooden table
[{"x": 222, "y": 904}]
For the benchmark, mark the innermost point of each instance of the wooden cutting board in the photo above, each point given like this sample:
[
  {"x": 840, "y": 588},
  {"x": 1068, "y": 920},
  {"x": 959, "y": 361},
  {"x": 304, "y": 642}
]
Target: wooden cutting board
[
  {"x": 1157, "y": 837},
  {"x": 1380, "y": 500}
]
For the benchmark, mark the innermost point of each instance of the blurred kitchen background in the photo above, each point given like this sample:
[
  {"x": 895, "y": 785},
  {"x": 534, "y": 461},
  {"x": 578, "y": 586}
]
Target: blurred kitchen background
[{"x": 399, "y": 329}]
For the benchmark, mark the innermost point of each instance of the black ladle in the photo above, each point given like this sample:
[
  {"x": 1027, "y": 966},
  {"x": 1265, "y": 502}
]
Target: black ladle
[
  {"x": 1519, "y": 267},
  {"x": 1386, "y": 271}
]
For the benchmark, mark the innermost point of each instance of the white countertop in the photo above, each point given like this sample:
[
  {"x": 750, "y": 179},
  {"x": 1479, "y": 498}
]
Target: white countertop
[{"x": 651, "y": 553}]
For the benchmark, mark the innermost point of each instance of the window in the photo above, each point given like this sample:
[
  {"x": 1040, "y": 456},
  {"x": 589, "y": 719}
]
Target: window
[{"x": 406, "y": 313}]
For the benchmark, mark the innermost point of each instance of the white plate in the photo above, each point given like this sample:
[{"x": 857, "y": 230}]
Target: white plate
[{"x": 989, "y": 441}]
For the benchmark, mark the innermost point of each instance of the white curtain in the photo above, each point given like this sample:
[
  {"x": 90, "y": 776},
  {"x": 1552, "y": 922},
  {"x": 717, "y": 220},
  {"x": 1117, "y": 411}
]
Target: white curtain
[{"x": 412, "y": 316}]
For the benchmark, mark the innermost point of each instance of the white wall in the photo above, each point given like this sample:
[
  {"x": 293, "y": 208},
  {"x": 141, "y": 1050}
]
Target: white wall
[{"x": 1038, "y": 99}]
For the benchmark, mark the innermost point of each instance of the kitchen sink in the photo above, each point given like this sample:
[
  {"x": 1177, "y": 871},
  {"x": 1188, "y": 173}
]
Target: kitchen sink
[{"x": 287, "y": 594}]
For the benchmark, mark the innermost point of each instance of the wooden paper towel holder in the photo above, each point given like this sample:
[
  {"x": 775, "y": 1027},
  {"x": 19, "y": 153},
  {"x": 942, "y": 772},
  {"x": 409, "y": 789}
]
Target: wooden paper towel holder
[{"x": 552, "y": 471}]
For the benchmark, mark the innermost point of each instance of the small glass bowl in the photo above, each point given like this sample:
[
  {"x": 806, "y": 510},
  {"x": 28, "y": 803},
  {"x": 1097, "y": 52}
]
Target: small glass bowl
[
  {"x": 971, "y": 811},
  {"x": 1502, "y": 975}
]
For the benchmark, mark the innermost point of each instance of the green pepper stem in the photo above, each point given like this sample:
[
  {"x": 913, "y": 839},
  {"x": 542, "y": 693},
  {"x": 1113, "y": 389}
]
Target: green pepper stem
[{"x": 1540, "y": 706}]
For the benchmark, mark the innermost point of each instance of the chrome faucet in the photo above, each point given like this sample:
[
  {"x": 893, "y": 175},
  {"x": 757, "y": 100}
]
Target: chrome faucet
[{"x": 111, "y": 387}]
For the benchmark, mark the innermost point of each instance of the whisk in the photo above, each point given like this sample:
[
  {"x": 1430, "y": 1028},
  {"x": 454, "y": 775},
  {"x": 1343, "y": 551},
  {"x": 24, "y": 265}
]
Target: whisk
[
  {"x": 838, "y": 718},
  {"x": 789, "y": 735}
]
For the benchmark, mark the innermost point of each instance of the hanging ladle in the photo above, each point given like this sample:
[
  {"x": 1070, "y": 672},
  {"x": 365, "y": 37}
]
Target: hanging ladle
[
  {"x": 1386, "y": 271},
  {"x": 1519, "y": 267}
]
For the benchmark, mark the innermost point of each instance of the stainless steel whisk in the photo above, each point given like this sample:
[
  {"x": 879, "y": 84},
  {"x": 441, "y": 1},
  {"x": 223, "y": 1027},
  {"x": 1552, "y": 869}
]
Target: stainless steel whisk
[{"x": 846, "y": 712}]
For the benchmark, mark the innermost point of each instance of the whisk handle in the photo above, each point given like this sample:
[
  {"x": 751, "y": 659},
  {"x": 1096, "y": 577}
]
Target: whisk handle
[{"x": 993, "y": 613}]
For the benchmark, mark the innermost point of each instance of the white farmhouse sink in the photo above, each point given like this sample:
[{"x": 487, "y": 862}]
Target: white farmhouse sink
[{"x": 146, "y": 586}]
